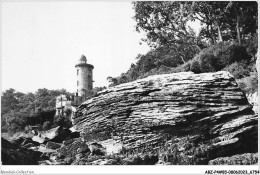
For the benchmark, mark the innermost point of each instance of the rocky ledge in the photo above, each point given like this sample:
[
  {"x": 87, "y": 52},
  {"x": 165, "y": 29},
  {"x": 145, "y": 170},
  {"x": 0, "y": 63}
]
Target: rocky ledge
[{"x": 181, "y": 118}]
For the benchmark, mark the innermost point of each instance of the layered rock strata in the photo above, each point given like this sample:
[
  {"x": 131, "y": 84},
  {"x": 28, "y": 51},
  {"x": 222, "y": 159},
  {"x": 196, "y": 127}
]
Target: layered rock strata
[{"x": 199, "y": 116}]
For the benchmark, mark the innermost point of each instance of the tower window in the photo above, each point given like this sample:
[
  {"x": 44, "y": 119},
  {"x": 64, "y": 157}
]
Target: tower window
[
  {"x": 77, "y": 83},
  {"x": 77, "y": 72}
]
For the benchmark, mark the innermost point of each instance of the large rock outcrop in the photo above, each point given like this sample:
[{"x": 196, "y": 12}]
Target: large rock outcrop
[{"x": 184, "y": 118}]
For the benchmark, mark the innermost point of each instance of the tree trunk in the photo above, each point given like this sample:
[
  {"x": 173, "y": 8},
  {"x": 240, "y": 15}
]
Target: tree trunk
[
  {"x": 237, "y": 26},
  {"x": 238, "y": 31},
  {"x": 212, "y": 34},
  {"x": 219, "y": 34},
  {"x": 182, "y": 59}
]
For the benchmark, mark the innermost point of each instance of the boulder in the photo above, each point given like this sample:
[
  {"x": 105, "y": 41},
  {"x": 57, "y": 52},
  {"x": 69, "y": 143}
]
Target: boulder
[
  {"x": 70, "y": 141},
  {"x": 12, "y": 154},
  {"x": 72, "y": 148},
  {"x": 199, "y": 116},
  {"x": 52, "y": 145},
  {"x": 96, "y": 149},
  {"x": 57, "y": 134},
  {"x": 29, "y": 140},
  {"x": 83, "y": 148},
  {"x": 38, "y": 139},
  {"x": 45, "y": 150}
]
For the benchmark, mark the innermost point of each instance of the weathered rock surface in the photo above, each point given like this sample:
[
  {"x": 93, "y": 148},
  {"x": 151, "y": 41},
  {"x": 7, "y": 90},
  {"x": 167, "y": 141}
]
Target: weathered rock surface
[
  {"x": 12, "y": 154},
  {"x": 73, "y": 148},
  {"x": 253, "y": 100},
  {"x": 242, "y": 159},
  {"x": 52, "y": 145},
  {"x": 96, "y": 148},
  {"x": 57, "y": 134},
  {"x": 199, "y": 116}
]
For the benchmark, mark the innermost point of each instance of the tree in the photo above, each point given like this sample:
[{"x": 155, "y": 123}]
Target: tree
[
  {"x": 231, "y": 18},
  {"x": 212, "y": 14},
  {"x": 243, "y": 17},
  {"x": 9, "y": 100},
  {"x": 20, "y": 110},
  {"x": 112, "y": 81},
  {"x": 165, "y": 22},
  {"x": 15, "y": 121}
]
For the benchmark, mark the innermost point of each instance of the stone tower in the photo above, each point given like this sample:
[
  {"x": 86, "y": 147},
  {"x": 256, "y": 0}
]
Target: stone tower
[{"x": 84, "y": 77}]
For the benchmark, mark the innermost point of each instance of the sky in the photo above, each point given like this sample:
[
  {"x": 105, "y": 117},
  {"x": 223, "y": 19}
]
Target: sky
[{"x": 42, "y": 42}]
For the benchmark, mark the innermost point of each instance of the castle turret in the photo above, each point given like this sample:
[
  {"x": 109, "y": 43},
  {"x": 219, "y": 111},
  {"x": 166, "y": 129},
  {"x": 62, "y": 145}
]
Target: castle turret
[{"x": 84, "y": 76}]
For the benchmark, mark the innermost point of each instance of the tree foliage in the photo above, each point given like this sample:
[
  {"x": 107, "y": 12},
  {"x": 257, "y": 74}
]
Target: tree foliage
[
  {"x": 165, "y": 25},
  {"x": 224, "y": 20},
  {"x": 166, "y": 22},
  {"x": 20, "y": 110},
  {"x": 228, "y": 31}
]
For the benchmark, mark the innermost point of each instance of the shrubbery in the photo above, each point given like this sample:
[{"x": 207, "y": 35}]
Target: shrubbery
[
  {"x": 222, "y": 56},
  {"x": 195, "y": 66},
  {"x": 182, "y": 68},
  {"x": 19, "y": 111},
  {"x": 226, "y": 56},
  {"x": 46, "y": 125},
  {"x": 249, "y": 84},
  {"x": 238, "y": 69},
  {"x": 190, "y": 155},
  {"x": 219, "y": 56},
  {"x": 252, "y": 46}
]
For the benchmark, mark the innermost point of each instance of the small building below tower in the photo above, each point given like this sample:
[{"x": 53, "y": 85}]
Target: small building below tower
[{"x": 62, "y": 104}]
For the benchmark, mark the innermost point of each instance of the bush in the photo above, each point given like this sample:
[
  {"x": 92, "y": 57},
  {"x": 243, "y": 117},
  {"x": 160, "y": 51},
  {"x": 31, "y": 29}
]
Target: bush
[
  {"x": 208, "y": 63},
  {"x": 46, "y": 125},
  {"x": 195, "y": 66},
  {"x": 249, "y": 84},
  {"x": 238, "y": 53},
  {"x": 238, "y": 70},
  {"x": 218, "y": 57},
  {"x": 252, "y": 46},
  {"x": 227, "y": 53},
  {"x": 234, "y": 58},
  {"x": 182, "y": 68},
  {"x": 62, "y": 121}
]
